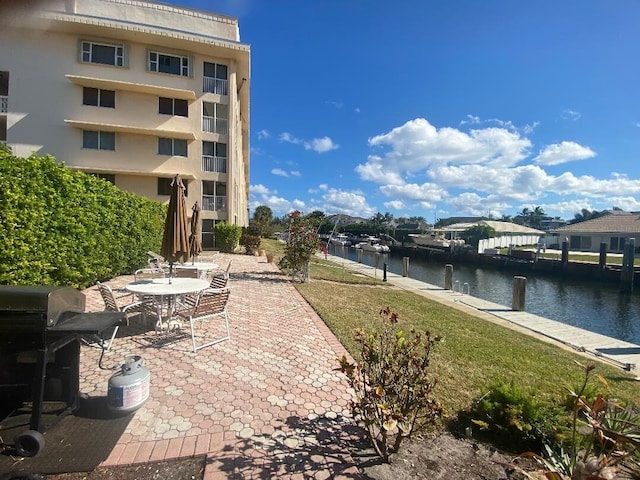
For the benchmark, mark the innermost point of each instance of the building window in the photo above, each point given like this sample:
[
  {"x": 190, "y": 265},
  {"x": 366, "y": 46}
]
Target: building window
[
  {"x": 99, "y": 97},
  {"x": 215, "y": 118},
  {"x": 214, "y": 196},
  {"x": 164, "y": 186},
  {"x": 214, "y": 157},
  {"x": 616, "y": 244},
  {"x": 109, "y": 177},
  {"x": 215, "y": 78},
  {"x": 167, "y": 63},
  {"x": 172, "y": 146},
  {"x": 208, "y": 233},
  {"x": 579, "y": 243},
  {"x": 102, "y": 53},
  {"x": 173, "y": 106},
  {"x": 98, "y": 140}
]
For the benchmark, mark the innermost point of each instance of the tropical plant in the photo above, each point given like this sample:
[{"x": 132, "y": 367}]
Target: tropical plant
[
  {"x": 473, "y": 235},
  {"x": 250, "y": 240},
  {"x": 227, "y": 236},
  {"x": 603, "y": 435},
  {"x": 262, "y": 218},
  {"x": 301, "y": 245},
  {"x": 392, "y": 383}
]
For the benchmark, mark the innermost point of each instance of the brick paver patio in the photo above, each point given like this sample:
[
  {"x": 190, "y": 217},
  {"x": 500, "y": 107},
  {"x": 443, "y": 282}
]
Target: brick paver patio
[{"x": 268, "y": 403}]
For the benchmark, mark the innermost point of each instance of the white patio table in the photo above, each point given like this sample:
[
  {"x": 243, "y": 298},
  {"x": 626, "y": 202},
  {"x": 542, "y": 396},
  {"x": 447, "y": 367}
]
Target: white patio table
[
  {"x": 166, "y": 290},
  {"x": 202, "y": 267}
]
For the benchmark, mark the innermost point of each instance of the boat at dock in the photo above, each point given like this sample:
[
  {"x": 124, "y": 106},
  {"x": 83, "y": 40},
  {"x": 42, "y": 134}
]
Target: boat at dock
[
  {"x": 340, "y": 239},
  {"x": 372, "y": 244},
  {"x": 435, "y": 240}
]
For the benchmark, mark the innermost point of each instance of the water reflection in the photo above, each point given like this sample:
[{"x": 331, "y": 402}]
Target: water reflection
[{"x": 593, "y": 306}]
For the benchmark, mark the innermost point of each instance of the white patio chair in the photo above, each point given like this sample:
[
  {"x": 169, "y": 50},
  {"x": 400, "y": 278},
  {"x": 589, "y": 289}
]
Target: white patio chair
[
  {"x": 209, "y": 304},
  {"x": 111, "y": 304}
]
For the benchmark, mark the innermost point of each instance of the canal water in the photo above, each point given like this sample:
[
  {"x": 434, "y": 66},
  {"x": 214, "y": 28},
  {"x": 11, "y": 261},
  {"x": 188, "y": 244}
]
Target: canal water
[{"x": 593, "y": 306}]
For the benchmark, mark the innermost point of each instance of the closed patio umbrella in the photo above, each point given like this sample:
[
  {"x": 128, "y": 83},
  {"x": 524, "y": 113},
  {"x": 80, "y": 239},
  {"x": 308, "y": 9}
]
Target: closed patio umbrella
[
  {"x": 195, "y": 245},
  {"x": 175, "y": 241}
]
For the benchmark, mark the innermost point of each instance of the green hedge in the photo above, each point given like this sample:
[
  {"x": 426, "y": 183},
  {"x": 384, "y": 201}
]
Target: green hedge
[{"x": 64, "y": 227}]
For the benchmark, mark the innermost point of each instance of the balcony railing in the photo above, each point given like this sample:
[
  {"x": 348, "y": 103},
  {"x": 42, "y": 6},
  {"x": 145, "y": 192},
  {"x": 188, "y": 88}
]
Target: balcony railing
[
  {"x": 4, "y": 104},
  {"x": 215, "y": 125},
  {"x": 214, "y": 203},
  {"x": 215, "y": 85},
  {"x": 214, "y": 164}
]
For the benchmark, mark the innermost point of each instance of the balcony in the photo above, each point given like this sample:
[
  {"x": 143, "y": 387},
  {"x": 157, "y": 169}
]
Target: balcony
[
  {"x": 214, "y": 164},
  {"x": 214, "y": 203},
  {"x": 4, "y": 104},
  {"x": 215, "y": 125},
  {"x": 215, "y": 85}
]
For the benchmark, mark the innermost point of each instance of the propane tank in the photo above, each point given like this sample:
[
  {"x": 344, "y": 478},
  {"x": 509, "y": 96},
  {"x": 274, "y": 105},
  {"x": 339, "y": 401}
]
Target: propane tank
[{"x": 129, "y": 388}]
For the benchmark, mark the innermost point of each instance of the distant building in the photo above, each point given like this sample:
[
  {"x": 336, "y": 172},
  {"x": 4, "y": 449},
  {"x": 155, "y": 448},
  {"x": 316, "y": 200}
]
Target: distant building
[
  {"x": 614, "y": 228},
  {"x": 134, "y": 92},
  {"x": 548, "y": 224}
]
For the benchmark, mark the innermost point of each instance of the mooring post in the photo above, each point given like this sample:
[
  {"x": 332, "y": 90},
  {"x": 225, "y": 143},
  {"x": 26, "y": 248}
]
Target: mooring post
[
  {"x": 344, "y": 251},
  {"x": 565, "y": 254},
  {"x": 384, "y": 272},
  {"x": 359, "y": 255},
  {"x": 405, "y": 266},
  {"x": 519, "y": 291},
  {"x": 626, "y": 275},
  {"x": 602, "y": 260},
  {"x": 448, "y": 276},
  {"x": 376, "y": 260}
]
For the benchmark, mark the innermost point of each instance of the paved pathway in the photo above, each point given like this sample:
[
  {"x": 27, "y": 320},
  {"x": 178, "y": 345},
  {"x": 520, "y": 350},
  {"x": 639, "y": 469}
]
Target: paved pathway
[{"x": 265, "y": 404}]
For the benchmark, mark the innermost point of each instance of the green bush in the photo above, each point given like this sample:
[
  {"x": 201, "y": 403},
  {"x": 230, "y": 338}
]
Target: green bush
[
  {"x": 250, "y": 240},
  {"x": 515, "y": 419},
  {"x": 227, "y": 236},
  {"x": 63, "y": 227}
]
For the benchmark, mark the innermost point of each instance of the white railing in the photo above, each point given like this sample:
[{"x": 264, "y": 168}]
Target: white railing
[
  {"x": 215, "y": 85},
  {"x": 505, "y": 241},
  {"x": 4, "y": 104},
  {"x": 214, "y": 164},
  {"x": 215, "y": 125},
  {"x": 214, "y": 203}
]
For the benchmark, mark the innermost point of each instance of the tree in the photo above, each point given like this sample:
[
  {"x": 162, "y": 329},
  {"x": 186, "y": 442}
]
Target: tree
[
  {"x": 262, "y": 218},
  {"x": 301, "y": 246},
  {"x": 473, "y": 235}
]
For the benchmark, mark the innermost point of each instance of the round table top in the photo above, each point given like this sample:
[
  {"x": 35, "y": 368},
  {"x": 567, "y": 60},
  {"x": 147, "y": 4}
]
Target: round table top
[
  {"x": 161, "y": 286},
  {"x": 197, "y": 265}
]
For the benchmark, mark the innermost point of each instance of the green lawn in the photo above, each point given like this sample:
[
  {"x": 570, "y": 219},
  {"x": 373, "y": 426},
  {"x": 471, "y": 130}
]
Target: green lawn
[{"x": 473, "y": 353}]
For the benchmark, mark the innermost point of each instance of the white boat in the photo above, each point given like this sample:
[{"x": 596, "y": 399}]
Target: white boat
[
  {"x": 434, "y": 240},
  {"x": 340, "y": 239},
  {"x": 372, "y": 244}
]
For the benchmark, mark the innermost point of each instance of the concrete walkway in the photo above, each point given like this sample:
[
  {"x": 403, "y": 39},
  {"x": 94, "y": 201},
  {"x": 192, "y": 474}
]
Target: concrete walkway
[
  {"x": 266, "y": 404},
  {"x": 617, "y": 352}
]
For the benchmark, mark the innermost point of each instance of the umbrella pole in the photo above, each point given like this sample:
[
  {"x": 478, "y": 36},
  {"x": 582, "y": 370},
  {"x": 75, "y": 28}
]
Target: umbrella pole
[{"x": 170, "y": 271}]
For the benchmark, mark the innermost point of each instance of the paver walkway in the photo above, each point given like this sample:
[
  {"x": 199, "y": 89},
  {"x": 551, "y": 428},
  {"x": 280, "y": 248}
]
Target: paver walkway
[{"x": 266, "y": 404}]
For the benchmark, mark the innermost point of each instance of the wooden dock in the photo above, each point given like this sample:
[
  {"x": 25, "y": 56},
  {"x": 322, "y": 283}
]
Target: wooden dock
[{"x": 617, "y": 352}]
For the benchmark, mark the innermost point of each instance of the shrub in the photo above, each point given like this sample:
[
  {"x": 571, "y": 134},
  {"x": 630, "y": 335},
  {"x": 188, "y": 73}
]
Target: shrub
[
  {"x": 392, "y": 384},
  {"x": 250, "y": 240},
  {"x": 514, "y": 418},
  {"x": 227, "y": 236},
  {"x": 302, "y": 244},
  {"x": 63, "y": 227}
]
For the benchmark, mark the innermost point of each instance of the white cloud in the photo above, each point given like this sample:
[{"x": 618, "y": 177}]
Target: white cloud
[
  {"x": 374, "y": 171},
  {"x": 418, "y": 145},
  {"x": 262, "y": 134},
  {"x": 279, "y": 172},
  {"x": 629, "y": 204},
  {"x": 260, "y": 189},
  {"x": 287, "y": 137},
  {"x": 295, "y": 173},
  {"x": 348, "y": 203},
  {"x": 425, "y": 192},
  {"x": 337, "y": 105},
  {"x": 571, "y": 115},
  {"x": 394, "y": 204},
  {"x": 321, "y": 145},
  {"x": 562, "y": 153}
]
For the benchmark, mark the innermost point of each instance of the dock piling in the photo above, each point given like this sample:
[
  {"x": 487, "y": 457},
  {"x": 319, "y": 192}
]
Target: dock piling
[
  {"x": 519, "y": 291},
  {"x": 405, "y": 266},
  {"x": 448, "y": 277}
]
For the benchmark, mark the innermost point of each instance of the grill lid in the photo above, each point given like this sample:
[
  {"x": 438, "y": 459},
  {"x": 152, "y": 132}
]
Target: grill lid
[{"x": 51, "y": 302}]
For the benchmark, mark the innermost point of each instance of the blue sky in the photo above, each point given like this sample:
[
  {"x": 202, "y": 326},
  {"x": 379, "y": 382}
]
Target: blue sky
[{"x": 442, "y": 108}]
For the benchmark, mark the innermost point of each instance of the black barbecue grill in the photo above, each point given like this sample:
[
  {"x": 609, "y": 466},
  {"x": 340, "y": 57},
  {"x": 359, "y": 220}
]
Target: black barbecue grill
[{"x": 40, "y": 331}]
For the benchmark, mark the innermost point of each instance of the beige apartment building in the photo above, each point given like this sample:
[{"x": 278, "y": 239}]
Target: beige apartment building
[{"x": 134, "y": 92}]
